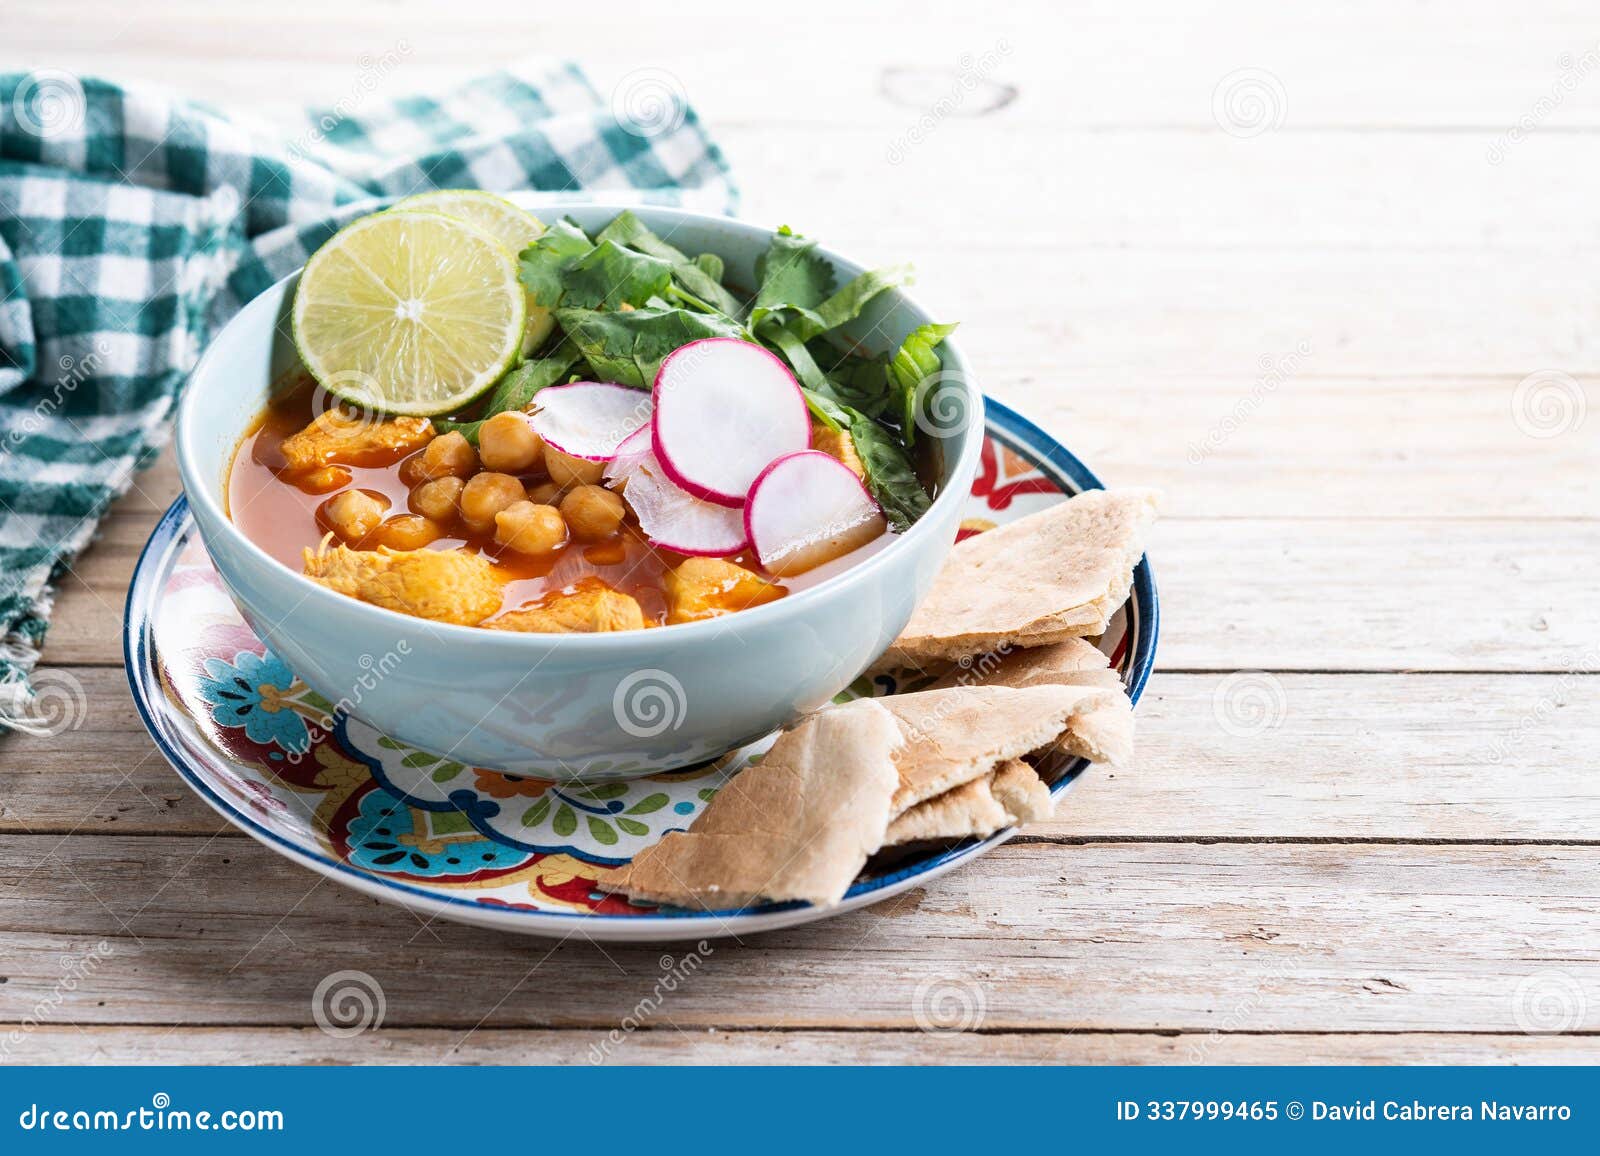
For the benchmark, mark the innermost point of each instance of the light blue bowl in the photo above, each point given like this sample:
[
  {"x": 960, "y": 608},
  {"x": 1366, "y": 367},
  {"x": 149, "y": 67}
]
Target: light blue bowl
[{"x": 593, "y": 707}]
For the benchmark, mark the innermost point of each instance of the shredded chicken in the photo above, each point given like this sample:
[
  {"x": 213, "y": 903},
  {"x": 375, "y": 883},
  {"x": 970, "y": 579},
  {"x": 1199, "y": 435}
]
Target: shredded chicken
[
  {"x": 838, "y": 445},
  {"x": 592, "y": 608},
  {"x": 706, "y": 587},
  {"x": 338, "y": 437},
  {"x": 439, "y": 585}
]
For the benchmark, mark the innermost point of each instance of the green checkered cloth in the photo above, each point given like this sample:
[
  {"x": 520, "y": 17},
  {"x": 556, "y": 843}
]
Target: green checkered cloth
[{"x": 132, "y": 225}]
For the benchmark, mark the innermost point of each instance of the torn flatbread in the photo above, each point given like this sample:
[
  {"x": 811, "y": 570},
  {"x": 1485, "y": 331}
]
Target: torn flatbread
[
  {"x": 1057, "y": 574},
  {"x": 798, "y": 825},
  {"x": 1013, "y": 794},
  {"x": 1102, "y": 733},
  {"x": 962, "y": 733}
]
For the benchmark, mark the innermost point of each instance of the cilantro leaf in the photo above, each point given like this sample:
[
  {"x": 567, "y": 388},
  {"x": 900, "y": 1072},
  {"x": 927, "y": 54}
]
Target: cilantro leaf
[
  {"x": 792, "y": 273},
  {"x": 912, "y": 365},
  {"x": 542, "y": 263},
  {"x": 609, "y": 275},
  {"x": 628, "y": 346},
  {"x": 629, "y": 230},
  {"x": 891, "y": 476}
]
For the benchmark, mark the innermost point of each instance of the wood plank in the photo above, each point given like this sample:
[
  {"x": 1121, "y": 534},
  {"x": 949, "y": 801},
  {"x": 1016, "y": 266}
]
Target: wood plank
[
  {"x": 1072, "y": 65},
  {"x": 116, "y": 1044},
  {"x": 1149, "y": 937},
  {"x": 1269, "y": 593},
  {"x": 1457, "y": 757}
]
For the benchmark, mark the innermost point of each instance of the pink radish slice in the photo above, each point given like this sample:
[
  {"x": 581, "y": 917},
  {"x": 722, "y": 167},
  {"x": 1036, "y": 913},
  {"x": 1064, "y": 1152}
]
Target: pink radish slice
[
  {"x": 631, "y": 454},
  {"x": 679, "y": 521},
  {"x": 806, "y": 509},
  {"x": 724, "y": 409},
  {"x": 589, "y": 419}
]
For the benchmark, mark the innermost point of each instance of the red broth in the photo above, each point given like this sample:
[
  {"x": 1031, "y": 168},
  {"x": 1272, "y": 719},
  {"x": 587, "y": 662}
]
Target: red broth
[{"x": 267, "y": 503}]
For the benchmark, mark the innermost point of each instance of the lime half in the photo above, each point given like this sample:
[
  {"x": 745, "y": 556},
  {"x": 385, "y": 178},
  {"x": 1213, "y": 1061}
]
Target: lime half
[
  {"x": 411, "y": 313},
  {"x": 514, "y": 228}
]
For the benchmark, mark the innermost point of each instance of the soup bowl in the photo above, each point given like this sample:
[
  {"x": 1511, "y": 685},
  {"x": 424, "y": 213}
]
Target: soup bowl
[{"x": 588, "y": 707}]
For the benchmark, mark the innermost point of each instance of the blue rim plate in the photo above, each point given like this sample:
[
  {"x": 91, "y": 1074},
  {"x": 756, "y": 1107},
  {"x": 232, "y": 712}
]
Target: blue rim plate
[{"x": 331, "y": 794}]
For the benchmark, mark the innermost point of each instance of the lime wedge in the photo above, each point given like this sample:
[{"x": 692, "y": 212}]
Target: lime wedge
[
  {"x": 514, "y": 228},
  {"x": 411, "y": 313}
]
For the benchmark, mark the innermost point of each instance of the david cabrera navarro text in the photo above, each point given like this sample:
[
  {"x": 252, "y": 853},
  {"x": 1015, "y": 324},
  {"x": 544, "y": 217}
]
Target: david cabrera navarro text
[{"x": 1416, "y": 1110}]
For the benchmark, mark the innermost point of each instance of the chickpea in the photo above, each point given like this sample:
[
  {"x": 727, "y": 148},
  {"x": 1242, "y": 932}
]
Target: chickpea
[
  {"x": 450, "y": 455},
  {"x": 414, "y": 470},
  {"x": 566, "y": 470},
  {"x": 592, "y": 512},
  {"x": 544, "y": 494},
  {"x": 507, "y": 443},
  {"x": 353, "y": 514},
  {"x": 530, "y": 529},
  {"x": 323, "y": 479},
  {"x": 408, "y": 532},
  {"x": 484, "y": 496},
  {"x": 439, "y": 500}
]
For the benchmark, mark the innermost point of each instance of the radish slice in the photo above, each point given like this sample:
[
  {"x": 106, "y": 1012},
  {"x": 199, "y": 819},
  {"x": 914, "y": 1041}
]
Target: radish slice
[
  {"x": 724, "y": 409},
  {"x": 589, "y": 419},
  {"x": 631, "y": 454},
  {"x": 806, "y": 509},
  {"x": 679, "y": 521}
]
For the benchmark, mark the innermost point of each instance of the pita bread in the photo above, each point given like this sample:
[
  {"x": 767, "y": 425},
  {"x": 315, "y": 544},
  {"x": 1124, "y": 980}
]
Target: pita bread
[
  {"x": 1013, "y": 794},
  {"x": 1057, "y": 574},
  {"x": 798, "y": 825},
  {"x": 1102, "y": 733},
  {"x": 962, "y": 733}
]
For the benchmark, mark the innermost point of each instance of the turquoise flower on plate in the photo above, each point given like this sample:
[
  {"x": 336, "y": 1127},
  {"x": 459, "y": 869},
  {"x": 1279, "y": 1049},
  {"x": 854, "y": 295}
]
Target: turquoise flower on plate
[{"x": 249, "y": 692}]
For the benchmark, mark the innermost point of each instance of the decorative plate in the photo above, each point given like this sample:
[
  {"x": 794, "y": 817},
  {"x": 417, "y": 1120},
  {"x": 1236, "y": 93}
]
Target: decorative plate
[{"x": 478, "y": 846}]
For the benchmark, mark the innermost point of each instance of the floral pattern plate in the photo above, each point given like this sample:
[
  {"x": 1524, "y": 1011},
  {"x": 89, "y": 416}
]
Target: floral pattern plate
[{"x": 474, "y": 845}]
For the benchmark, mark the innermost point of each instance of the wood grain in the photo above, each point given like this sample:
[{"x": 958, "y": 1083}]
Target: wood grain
[
  {"x": 1463, "y": 757},
  {"x": 97, "y": 1044},
  {"x": 1364, "y": 854},
  {"x": 1150, "y": 937}
]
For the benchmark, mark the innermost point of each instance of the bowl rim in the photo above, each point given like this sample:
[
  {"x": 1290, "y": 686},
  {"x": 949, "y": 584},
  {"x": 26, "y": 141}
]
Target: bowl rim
[{"x": 795, "y": 603}]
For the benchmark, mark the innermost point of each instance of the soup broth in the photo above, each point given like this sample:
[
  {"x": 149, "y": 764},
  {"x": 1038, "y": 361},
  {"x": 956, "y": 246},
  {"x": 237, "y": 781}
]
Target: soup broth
[{"x": 285, "y": 512}]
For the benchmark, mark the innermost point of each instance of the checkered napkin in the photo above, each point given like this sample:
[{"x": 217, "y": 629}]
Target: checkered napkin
[{"x": 132, "y": 224}]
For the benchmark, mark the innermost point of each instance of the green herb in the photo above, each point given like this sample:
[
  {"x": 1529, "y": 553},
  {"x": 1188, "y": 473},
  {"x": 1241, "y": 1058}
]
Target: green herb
[
  {"x": 517, "y": 388},
  {"x": 627, "y": 347},
  {"x": 913, "y": 365},
  {"x": 542, "y": 263},
  {"x": 705, "y": 285},
  {"x": 791, "y": 273},
  {"x": 891, "y": 476},
  {"x": 609, "y": 276}
]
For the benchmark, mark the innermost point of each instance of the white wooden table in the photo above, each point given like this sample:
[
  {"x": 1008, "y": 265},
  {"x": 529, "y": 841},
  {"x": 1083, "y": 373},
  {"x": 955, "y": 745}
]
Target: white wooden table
[{"x": 1310, "y": 319}]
